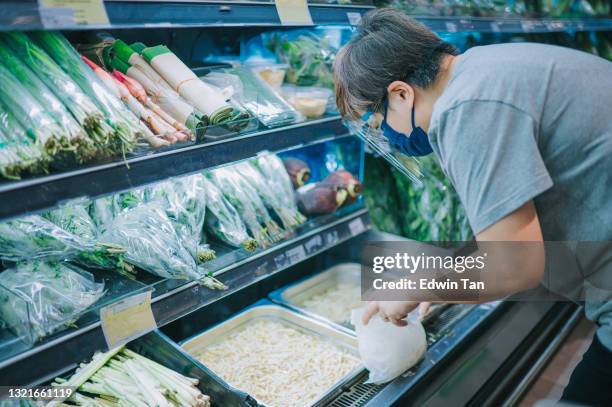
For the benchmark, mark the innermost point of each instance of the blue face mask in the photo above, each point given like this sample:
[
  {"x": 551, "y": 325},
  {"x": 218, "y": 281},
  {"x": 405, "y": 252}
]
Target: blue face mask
[{"x": 414, "y": 145}]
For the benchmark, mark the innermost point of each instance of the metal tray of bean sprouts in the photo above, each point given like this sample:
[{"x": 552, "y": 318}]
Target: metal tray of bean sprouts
[
  {"x": 296, "y": 295},
  {"x": 265, "y": 310}
]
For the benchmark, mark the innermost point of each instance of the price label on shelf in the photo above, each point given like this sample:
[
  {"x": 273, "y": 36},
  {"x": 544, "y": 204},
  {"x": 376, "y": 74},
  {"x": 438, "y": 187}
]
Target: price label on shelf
[
  {"x": 331, "y": 238},
  {"x": 293, "y": 12},
  {"x": 353, "y": 18},
  {"x": 314, "y": 244},
  {"x": 296, "y": 254},
  {"x": 356, "y": 226},
  {"x": 62, "y": 13},
  {"x": 451, "y": 27},
  {"x": 127, "y": 319}
]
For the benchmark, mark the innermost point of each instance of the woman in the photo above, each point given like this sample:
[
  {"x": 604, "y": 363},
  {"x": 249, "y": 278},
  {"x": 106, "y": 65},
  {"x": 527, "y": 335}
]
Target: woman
[{"x": 524, "y": 133}]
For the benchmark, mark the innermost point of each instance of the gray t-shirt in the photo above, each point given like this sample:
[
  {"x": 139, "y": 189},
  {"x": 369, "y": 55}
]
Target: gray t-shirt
[{"x": 531, "y": 121}]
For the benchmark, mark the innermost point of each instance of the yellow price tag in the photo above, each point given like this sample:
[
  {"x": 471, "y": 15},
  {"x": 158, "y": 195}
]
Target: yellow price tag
[
  {"x": 293, "y": 12},
  {"x": 127, "y": 319},
  {"x": 78, "y": 12}
]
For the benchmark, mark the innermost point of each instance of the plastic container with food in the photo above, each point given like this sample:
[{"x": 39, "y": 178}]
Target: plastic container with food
[
  {"x": 310, "y": 101},
  {"x": 273, "y": 74}
]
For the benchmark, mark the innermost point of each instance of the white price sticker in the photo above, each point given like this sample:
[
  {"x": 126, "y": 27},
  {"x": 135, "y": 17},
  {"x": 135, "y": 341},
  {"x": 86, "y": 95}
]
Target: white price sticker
[
  {"x": 353, "y": 18},
  {"x": 451, "y": 27},
  {"x": 356, "y": 226},
  {"x": 296, "y": 254},
  {"x": 313, "y": 244}
]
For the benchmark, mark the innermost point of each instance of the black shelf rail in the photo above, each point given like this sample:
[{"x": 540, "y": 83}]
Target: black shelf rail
[
  {"x": 25, "y": 15},
  {"x": 39, "y": 193},
  {"x": 57, "y": 356},
  {"x": 510, "y": 25}
]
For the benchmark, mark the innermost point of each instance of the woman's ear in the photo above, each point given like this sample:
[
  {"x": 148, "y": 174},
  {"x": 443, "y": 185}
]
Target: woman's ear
[{"x": 400, "y": 95}]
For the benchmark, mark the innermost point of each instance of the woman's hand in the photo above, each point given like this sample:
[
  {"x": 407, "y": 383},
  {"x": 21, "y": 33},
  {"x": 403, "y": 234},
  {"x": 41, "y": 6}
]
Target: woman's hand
[{"x": 393, "y": 311}]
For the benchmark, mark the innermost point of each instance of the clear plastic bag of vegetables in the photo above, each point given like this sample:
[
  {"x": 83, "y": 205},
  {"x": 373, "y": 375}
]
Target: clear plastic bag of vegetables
[
  {"x": 65, "y": 233},
  {"x": 184, "y": 200},
  {"x": 268, "y": 176},
  {"x": 223, "y": 220},
  {"x": 243, "y": 196},
  {"x": 310, "y": 56},
  {"x": 151, "y": 242},
  {"x": 38, "y": 298}
]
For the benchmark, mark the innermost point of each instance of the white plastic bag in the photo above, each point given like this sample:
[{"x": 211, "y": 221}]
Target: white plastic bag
[{"x": 387, "y": 350}]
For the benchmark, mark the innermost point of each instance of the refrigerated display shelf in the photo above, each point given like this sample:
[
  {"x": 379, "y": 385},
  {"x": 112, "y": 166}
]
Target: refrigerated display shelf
[
  {"x": 39, "y": 193},
  {"x": 174, "y": 299},
  {"x": 25, "y": 15}
]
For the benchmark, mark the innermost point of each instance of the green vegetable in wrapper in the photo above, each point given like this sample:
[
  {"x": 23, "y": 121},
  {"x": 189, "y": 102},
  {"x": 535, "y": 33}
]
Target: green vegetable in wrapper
[
  {"x": 41, "y": 127},
  {"x": 37, "y": 237},
  {"x": 309, "y": 56},
  {"x": 272, "y": 191},
  {"x": 151, "y": 242},
  {"x": 18, "y": 153},
  {"x": 202, "y": 96},
  {"x": 74, "y": 99},
  {"x": 251, "y": 208},
  {"x": 37, "y": 298},
  {"x": 184, "y": 200},
  {"x": 223, "y": 220},
  {"x": 125, "y": 126},
  {"x": 73, "y": 133}
]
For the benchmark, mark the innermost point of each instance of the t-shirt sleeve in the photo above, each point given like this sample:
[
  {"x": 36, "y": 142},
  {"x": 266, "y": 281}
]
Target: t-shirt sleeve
[{"x": 490, "y": 153}]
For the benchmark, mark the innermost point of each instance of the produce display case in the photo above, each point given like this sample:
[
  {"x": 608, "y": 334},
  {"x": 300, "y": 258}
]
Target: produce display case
[{"x": 479, "y": 354}]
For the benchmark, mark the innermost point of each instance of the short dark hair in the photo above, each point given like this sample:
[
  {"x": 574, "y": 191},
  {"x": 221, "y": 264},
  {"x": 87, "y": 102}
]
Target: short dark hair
[{"x": 387, "y": 46}]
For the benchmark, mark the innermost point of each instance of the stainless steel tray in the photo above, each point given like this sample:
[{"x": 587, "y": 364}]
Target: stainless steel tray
[
  {"x": 293, "y": 295},
  {"x": 267, "y": 310}
]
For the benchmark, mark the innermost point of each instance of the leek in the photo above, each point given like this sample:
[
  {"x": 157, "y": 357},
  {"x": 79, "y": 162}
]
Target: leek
[
  {"x": 18, "y": 153},
  {"x": 125, "y": 125}
]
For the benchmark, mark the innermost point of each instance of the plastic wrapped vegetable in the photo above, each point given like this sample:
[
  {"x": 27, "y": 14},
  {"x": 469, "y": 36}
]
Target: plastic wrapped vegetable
[
  {"x": 241, "y": 194},
  {"x": 151, "y": 242},
  {"x": 76, "y": 220},
  {"x": 74, "y": 134},
  {"x": 36, "y": 237},
  {"x": 309, "y": 57},
  {"x": 80, "y": 105},
  {"x": 125, "y": 126},
  {"x": 271, "y": 194},
  {"x": 18, "y": 153},
  {"x": 204, "y": 97},
  {"x": 273, "y": 170},
  {"x": 223, "y": 220},
  {"x": 37, "y": 298},
  {"x": 184, "y": 200}
]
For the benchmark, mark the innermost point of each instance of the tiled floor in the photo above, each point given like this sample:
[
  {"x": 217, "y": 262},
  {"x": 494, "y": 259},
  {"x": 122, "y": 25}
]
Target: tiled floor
[{"x": 554, "y": 377}]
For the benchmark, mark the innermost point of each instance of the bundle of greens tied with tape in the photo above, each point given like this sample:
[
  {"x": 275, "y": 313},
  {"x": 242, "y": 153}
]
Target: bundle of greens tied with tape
[
  {"x": 243, "y": 196},
  {"x": 38, "y": 298},
  {"x": 425, "y": 211},
  {"x": 65, "y": 233},
  {"x": 223, "y": 220}
]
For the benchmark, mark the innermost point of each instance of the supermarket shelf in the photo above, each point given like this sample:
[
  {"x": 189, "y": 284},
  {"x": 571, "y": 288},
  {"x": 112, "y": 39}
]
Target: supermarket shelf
[
  {"x": 63, "y": 353},
  {"x": 514, "y": 25},
  {"x": 24, "y": 14},
  {"x": 35, "y": 194}
]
